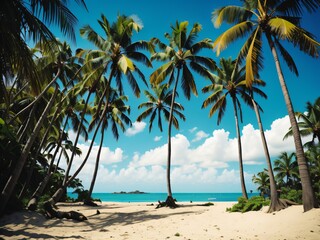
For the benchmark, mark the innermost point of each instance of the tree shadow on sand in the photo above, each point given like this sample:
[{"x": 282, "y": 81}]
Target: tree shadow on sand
[{"x": 25, "y": 234}]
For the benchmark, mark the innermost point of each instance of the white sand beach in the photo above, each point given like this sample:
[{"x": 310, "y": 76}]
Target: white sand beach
[{"x": 142, "y": 221}]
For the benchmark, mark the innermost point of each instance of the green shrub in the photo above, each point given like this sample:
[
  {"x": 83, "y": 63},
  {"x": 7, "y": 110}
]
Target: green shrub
[
  {"x": 291, "y": 194},
  {"x": 253, "y": 204}
]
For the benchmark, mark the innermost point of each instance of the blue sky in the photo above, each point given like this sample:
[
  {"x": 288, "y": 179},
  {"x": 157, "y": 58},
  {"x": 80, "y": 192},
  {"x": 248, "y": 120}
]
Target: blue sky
[{"x": 204, "y": 154}]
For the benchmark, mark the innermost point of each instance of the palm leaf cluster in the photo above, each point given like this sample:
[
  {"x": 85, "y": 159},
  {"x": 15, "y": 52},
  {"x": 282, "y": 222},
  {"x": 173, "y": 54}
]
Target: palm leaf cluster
[
  {"x": 274, "y": 21},
  {"x": 48, "y": 90}
]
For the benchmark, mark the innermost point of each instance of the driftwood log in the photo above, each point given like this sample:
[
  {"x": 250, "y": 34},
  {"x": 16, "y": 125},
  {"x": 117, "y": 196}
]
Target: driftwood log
[{"x": 50, "y": 212}]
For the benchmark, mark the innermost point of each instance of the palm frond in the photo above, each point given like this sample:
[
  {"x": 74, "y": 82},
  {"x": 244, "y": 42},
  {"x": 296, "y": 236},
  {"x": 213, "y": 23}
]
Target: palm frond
[
  {"x": 133, "y": 84},
  {"x": 287, "y": 57},
  {"x": 93, "y": 37},
  {"x": 160, "y": 74},
  {"x": 230, "y": 14},
  {"x": 298, "y": 36},
  {"x": 254, "y": 57},
  {"x": 187, "y": 82},
  {"x": 296, "y": 8},
  {"x": 237, "y": 31},
  {"x": 140, "y": 57}
]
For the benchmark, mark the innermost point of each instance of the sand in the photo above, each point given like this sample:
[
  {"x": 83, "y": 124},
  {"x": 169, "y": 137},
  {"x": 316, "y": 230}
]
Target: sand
[{"x": 142, "y": 221}]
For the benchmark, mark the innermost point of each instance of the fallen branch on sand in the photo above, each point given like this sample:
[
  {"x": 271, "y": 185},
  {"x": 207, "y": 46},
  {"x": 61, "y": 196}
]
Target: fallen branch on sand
[{"x": 52, "y": 213}]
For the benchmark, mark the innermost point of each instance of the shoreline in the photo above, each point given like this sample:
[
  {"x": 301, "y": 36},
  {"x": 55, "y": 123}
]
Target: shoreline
[{"x": 139, "y": 220}]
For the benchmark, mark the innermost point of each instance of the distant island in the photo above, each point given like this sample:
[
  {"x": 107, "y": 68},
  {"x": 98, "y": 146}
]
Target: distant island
[{"x": 133, "y": 192}]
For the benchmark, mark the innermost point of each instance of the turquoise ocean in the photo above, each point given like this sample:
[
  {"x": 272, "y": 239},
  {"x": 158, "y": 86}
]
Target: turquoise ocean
[{"x": 180, "y": 197}]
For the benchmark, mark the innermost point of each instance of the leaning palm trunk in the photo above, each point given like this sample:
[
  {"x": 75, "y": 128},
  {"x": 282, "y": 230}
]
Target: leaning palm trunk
[
  {"x": 27, "y": 125},
  {"x": 308, "y": 196},
  {"x": 94, "y": 177},
  {"x": 58, "y": 194},
  {"x": 38, "y": 98},
  {"x": 13, "y": 179},
  {"x": 242, "y": 181},
  {"x": 44, "y": 139},
  {"x": 276, "y": 204},
  {"x": 77, "y": 138},
  {"x": 32, "y": 204}
]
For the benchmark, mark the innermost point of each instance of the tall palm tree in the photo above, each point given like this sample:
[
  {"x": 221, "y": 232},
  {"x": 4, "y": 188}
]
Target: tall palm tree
[
  {"x": 180, "y": 55},
  {"x": 310, "y": 124},
  {"x": 229, "y": 81},
  {"x": 286, "y": 167},
  {"x": 117, "y": 52},
  {"x": 115, "y": 116},
  {"x": 276, "y": 20},
  {"x": 160, "y": 104},
  {"x": 60, "y": 142},
  {"x": 276, "y": 204}
]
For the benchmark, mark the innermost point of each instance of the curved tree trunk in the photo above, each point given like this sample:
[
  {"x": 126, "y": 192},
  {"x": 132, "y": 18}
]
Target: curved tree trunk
[
  {"x": 94, "y": 177},
  {"x": 13, "y": 179},
  {"x": 243, "y": 184},
  {"x": 32, "y": 204},
  {"x": 58, "y": 194},
  {"x": 77, "y": 139},
  {"x": 37, "y": 99},
  {"x": 308, "y": 196},
  {"x": 275, "y": 204},
  {"x": 27, "y": 125}
]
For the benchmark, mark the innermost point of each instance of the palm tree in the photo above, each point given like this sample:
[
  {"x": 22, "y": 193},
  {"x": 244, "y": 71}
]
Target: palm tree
[
  {"x": 180, "y": 54},
  {"x": 276, "y": 204},
  {"x": 60, "y": 142},
  {"x": 117, "y": 52},
  {"x": 276, "y": 20},
  {"x": 160, "y": 103},
  {"x": 310, "y": 124},
  {"x": 286, "y": 167},
  {"x": 262, "y": 180},
  {"x": 15, "y": 174},
  {"x": 229, "y": 81},
  {"x": 22, "y": 21},
  {"x": 115, "y": 116}
]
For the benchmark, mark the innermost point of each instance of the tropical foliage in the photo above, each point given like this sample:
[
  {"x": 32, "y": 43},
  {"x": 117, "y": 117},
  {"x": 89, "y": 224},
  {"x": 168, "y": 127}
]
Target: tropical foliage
[
  {"x": 48, "y": 89},
  {"x": 277, "y": 21},
  {"x": 180, "y": 57},
  {"x": 229, "y": 83}
]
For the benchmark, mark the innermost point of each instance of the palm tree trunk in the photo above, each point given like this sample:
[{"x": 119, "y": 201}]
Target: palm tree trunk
[
  {"x": 58, "y": 194},
  {"x": 275, "y": 203},
  {"x": 26, "y": 126},
  {"x": 13, "y": 179},
  {"x": 44, "y": 138},
  {"x": 77, "y": 139},
  {"x": 32, "y": 204},
  {"x": 39, "y": 96},
  {"x": 169, "y": 135},
  {"x": 96, "y": 166},
  {"x": 308, "y": 196},
  {"x": 243, "y": 184}
]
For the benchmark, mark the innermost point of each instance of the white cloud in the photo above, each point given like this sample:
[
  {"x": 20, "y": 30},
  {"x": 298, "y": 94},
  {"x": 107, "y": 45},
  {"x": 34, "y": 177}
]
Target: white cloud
[
  {"x": 157, "y": 138},
  {"x": 136, "y": 128},
  {"x": 207, "y": 167},
  {"x": 200, "y": 135}
]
